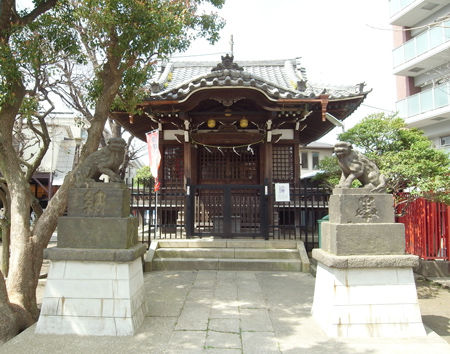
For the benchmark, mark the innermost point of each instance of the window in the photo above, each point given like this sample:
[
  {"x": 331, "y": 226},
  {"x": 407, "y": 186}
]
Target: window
[
  {"x": 315, "y": 160},
  {"x": 173, "y": 167},
  {"x": 228, "y": 165},
  {"x": 304, "y": 157},
  {"x": 445, "y": 140},
  {"x": 283, "y": 163}
]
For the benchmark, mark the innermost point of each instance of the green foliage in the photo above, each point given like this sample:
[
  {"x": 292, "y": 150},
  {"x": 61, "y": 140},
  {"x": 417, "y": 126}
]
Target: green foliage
[
  {"x": 331, "y": 173},
  {"x": 144, "y": 177},
  {"x": 143, "y": 172},
  {"x": 28, "y": 52},
  {"x": 421, "y": 169},
  {"x": 404, "y": 156},
  {"x": 132, "y": 34}
]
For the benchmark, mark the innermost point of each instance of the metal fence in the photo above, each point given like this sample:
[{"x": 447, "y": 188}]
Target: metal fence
[
  {"x": 427, "y": 229},
  {"x": 297, "y": 219},
  {"x": 162, "y": 214}
]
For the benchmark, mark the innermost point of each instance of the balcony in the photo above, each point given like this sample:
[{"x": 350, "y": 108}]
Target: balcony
[
  {"x": 423, "y": 52},
  {"x": 426, "y": 105},
  {"x": 395, "y": 6},
  {"x": 408, "y": 13}
]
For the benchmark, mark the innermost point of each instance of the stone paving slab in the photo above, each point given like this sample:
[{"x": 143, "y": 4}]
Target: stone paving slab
[
  {"x": 225, "y": 312},
  {"x": 223, "y": 340}
]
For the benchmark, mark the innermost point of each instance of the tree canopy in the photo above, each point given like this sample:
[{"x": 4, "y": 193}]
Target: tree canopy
[{"x": 404, "y": 155}]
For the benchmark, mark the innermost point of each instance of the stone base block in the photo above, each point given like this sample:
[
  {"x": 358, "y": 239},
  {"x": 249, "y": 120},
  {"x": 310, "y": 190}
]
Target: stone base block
[
  {"x": 367, "y": 302},
  {"x": 353, "y": 239},
  {"x": 97, "y": 232},
  {"x": 93, "y": 298}
]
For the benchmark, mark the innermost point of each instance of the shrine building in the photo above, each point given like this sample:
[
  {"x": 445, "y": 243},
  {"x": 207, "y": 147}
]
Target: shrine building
[{"x": 230, "y": 133}]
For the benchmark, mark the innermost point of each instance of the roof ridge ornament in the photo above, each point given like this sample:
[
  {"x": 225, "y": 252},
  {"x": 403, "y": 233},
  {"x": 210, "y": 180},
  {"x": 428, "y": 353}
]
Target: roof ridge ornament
[{"x": 227, "y": 63}]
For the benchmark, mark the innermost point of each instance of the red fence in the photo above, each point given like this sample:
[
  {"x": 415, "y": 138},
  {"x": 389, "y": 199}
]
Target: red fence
[{"x": 427, "y": 229}]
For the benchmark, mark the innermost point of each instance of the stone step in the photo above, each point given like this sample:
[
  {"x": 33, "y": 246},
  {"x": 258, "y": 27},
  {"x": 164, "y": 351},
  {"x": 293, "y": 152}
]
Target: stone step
[
  {"x": 226, "y": 264},
  {"x": 227, "y": 243},
  {"x": 228, "y": 253}
]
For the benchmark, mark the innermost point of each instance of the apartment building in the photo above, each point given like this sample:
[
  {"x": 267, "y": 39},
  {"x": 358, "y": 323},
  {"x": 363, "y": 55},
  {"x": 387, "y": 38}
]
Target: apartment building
[{"x": 421, "y": 63}]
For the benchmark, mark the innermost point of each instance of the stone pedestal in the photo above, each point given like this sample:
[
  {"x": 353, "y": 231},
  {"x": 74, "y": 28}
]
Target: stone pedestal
[
  {"x": 364, "y": 282},
  {"x": 95, "y": 281}
]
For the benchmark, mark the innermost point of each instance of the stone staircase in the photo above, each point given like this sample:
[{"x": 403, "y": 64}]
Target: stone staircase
[{"x": 227, "y": 254}]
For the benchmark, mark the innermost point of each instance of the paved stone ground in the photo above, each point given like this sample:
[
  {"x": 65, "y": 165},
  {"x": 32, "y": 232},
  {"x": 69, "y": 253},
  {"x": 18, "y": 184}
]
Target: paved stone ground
[
  {"x": 225, "y": 312},
  {"x": 434, "y": 301}
]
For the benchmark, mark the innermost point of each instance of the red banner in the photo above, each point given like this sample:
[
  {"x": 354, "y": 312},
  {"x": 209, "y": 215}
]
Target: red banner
[{"x": 154, "y": 155}]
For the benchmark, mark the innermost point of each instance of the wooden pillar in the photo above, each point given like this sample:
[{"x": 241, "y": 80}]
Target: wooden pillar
[
  {"x": 267, "y": 176},
  {"x": 296, "y": 164},
  {"x": 190, "y": 163},
  {"x": 266, "y": 161},
  {"x": 190, "y": 167}
]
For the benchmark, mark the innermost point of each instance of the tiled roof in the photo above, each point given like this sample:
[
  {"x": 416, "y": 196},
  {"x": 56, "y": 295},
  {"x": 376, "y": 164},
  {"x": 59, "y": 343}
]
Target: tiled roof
[
  {"x": 277, "y": 78},
  {"x": 319, "y": 145}
]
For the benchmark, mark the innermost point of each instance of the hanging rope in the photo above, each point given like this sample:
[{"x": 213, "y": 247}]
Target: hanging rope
[{"x": 229, "y": 146}]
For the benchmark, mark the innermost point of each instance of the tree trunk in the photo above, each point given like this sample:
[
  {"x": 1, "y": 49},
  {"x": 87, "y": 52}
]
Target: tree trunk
[
  {"x": 22, "y": 281},
  {"x": 5, "y": 246},
  {"x": 8, "y": 324},
  {"x": 27, "y": 245},
  {"x": 12, "y": 318},
  {"x": 5, "y": 229}
]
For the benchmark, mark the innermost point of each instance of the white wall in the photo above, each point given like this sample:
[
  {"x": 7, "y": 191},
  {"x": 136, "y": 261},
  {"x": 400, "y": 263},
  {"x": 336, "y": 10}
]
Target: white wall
[{"x": 322, "y": 153}]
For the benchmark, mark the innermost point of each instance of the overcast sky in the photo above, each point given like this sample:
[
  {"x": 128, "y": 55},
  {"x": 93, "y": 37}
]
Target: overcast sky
[{"x": 335, "y": 39}]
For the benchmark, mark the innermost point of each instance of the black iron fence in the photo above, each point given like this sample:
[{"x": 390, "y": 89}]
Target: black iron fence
[
  {"x": 297, "y": 219},
  {"x": 160, "y": 214},
  {"x": 172, "y": 213}
]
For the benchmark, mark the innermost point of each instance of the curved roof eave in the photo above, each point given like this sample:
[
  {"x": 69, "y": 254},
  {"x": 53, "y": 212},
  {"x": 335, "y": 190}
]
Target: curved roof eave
[
  {"x": 232, "y": 79},
  {"x": 270, "y": 96}
]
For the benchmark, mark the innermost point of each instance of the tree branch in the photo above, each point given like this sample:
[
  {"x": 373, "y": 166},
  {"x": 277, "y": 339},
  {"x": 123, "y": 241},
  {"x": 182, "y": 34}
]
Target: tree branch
[{"x": 39, "y": 10}]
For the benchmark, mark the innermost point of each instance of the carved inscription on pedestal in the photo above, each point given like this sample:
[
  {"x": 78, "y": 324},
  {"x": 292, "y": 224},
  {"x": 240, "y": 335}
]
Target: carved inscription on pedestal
[
  {"x": 367, "y": 209},
  {"x": 94, "y": 203}
]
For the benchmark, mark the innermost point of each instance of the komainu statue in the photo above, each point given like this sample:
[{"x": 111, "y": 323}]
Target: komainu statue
[
  {"x": 355, "y": 165},
  {"x": 106, "y": 161}
]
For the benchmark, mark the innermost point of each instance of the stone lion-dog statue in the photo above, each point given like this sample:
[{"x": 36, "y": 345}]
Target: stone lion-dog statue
[
  {"x": 105, "y": 161},
  {"x": 355, "y": 165}
]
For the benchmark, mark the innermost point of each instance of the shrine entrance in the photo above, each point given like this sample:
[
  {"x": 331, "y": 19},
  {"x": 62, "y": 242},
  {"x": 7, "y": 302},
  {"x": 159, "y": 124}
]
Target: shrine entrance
[
  {"x": 232, "y": 210},
  {"x": 229, "y": 201}
]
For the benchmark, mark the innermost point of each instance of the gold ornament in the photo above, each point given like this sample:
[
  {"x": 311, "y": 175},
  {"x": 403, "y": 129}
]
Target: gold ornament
[
  {"x": 243, "y": 123},
  {"x": 211, "y": 123}
]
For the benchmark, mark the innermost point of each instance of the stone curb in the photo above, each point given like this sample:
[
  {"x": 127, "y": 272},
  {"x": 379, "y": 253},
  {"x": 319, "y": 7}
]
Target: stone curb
[
  {"x": 148, "y": 259},
  {"x": 91, "y": 254},
  {"x": 364, "y": 261},
  {"x": 303, "y": 257}
]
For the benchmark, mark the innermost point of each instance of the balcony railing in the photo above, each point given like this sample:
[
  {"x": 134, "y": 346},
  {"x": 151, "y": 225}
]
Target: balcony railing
[
  {"x": 428, "y": 100},
  {"x": 398, "y": 5},
  {"x": 422, "y": 43}
]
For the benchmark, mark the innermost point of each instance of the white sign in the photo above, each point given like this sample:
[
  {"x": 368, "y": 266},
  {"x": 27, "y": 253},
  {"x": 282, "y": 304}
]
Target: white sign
[{"x": 282, "y": 192}]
